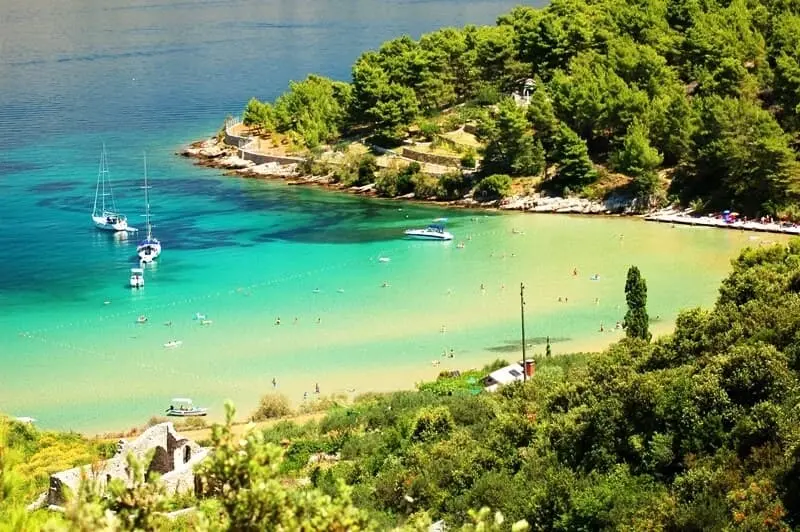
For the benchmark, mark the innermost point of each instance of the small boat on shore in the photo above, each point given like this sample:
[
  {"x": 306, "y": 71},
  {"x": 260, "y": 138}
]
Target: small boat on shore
[
  {"x": 432, "y": 232},
  {"x": 137, "y": 278},
  {"x": 185, "y": 408},
  {"x": 107, "y": 219}
]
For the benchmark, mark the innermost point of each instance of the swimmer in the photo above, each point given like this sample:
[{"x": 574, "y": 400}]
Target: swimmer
[
  {"x": 597, "y": 301},
  {"x": 385, "y": 284},
  {"x": 295, "y": 320},
  {"x": 319, "y": 320},
  {"x": 168, "y": 323},
  {"x": 274, "y": 382},
  {"x": 483, "y": 288}
]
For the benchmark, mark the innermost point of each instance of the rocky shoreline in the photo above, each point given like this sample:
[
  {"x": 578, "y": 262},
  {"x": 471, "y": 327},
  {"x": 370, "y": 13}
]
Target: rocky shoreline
[{"x": 214, "y": 153}]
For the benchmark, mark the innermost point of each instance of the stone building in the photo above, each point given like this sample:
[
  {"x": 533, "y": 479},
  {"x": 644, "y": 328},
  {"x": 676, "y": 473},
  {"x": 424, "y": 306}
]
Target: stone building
[{"x": 174, "y": 459}]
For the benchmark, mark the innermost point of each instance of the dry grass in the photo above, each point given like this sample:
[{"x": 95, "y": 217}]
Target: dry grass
[{"x": 459, "y": 136}]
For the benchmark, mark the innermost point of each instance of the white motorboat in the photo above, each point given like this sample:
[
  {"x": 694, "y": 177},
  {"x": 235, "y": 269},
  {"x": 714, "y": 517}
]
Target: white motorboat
[
  {"x": 106, "y": 217},
  {"x": 173, "y": 343},
  {"x": 137, "y": 278},
  {"x": 432, "y": 232},
  {"x": 149, "y": 248},
  {"x": 185, "y": 408}
]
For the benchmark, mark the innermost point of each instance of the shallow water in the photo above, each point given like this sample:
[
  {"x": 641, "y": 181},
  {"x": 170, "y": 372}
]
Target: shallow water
[{"x": 244, "y": 252}]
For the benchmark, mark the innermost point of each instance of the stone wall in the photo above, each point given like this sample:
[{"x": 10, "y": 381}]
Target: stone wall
[
  {"x": 262, "y": 158},
  {"x": 430, "y": 158},
  {"x": 169, "y": 451}
]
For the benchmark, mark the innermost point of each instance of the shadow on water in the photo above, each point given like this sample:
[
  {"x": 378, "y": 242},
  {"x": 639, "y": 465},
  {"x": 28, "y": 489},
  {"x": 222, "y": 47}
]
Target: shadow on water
[
  {"x": 53, "y": 186},
  {"x": 512, "y": 346}
]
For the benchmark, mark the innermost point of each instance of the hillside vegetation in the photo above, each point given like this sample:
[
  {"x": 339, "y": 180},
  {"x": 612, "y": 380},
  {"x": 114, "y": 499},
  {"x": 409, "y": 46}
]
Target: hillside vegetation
[{"x": 708, "y": 90}]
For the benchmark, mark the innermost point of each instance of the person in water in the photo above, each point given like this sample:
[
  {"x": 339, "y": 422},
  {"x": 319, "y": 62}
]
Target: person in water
[
  {"x": 274, "y": 382},
  {"x": 278, "y": 321}
]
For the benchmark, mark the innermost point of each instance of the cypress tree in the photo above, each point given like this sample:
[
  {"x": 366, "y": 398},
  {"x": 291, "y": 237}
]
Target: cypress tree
[{"x": 636, "y": 321}]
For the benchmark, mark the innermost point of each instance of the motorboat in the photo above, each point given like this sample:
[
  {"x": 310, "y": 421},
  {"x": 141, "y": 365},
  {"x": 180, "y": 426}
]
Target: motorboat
[
  {"x": 384, "y": 259},
  {"x": 137, "y": 278},
  {"x": 432, "y": 232},
  {"x": 106, "y": 216},
  {"x": 173, "y": 343},
  {"x": 141, "y": 319},
  {"x": 149, "y": 248},
  {"x": 185, "y": 408}
]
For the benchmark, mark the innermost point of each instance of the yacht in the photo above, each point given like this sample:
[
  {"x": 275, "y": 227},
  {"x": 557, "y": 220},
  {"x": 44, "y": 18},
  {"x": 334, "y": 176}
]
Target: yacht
[
  {"x": 149, "y": 248},
  {"x": 137, "y": 278},
  {"x": 432, "y": 232},
  {"x": 106, "y": 217},
  {"x": 185, "y": 408}
]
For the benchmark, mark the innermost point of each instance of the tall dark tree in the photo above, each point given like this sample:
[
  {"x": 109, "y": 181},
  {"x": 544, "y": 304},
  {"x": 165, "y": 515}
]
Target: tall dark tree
[{"x": 636, "y": 320}]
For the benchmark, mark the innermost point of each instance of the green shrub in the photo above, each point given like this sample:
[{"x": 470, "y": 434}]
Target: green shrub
[
  {"x": 469, "y": 160},
  {"x": 452, "y": 122},
  {"x": 425, "y": 186},
  {"x": 429, "y": 130},
  {"x": 386, "y": 183},
  {"x": 494, "y": 187},
  {"x": 432, "y": 424},
  {"x": 487, "y": 94},
  {"x": 272, "y": 405}
]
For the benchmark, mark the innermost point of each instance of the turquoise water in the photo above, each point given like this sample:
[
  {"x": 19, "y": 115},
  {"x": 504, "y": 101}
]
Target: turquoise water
[{"x": 154, "y": 76}]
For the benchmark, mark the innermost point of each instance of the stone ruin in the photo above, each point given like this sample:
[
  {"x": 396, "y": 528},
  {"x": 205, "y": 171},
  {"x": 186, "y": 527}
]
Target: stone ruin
[{"x": 174, "y": 459}]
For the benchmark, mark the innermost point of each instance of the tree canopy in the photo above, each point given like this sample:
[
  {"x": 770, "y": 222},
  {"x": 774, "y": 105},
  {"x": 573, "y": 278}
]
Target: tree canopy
[{"x": 708, "y": 89}]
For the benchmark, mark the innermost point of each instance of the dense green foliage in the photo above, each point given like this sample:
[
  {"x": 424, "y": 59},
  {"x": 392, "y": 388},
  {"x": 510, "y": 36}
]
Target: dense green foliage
[{"x": 709, "y": 89}]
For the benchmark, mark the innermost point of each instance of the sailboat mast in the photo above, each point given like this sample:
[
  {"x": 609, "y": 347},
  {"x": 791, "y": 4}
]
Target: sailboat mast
[
  {"x": 97, "y": 186},
  {"x": 147, "y": 201},
  {"x": 103, "y": 171}
]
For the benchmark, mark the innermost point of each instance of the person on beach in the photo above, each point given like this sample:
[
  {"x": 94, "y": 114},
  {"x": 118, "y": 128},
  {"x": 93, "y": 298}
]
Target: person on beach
[
  {"x": 602, "y": 329},
  {"x": 316, "y": 388},
  {"x": 452, "y": 353},
  {"x": 274, "y": 382},
  {"x": 305, "y": 396},
  {"x": 574, "y": 272}
]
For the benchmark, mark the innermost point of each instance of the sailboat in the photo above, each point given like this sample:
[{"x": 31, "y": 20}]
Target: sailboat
[
  {"x": 105, "y": 219},
  {"x": 149, "y": 248}
]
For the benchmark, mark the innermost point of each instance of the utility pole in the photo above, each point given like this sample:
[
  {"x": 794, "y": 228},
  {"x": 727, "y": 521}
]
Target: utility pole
[{"x": 522, "y": 315}]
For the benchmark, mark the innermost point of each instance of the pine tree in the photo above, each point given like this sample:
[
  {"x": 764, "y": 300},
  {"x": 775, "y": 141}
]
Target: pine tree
[{"x": 636, "y": 321}]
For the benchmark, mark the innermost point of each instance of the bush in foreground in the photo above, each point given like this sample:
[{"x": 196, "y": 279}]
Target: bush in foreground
[{"x": 272, "y": 405}]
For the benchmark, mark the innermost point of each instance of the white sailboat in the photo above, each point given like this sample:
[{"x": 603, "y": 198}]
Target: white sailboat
[
  {"x": 149, "y": 248},
  {"x": 105, "y": 219}
]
